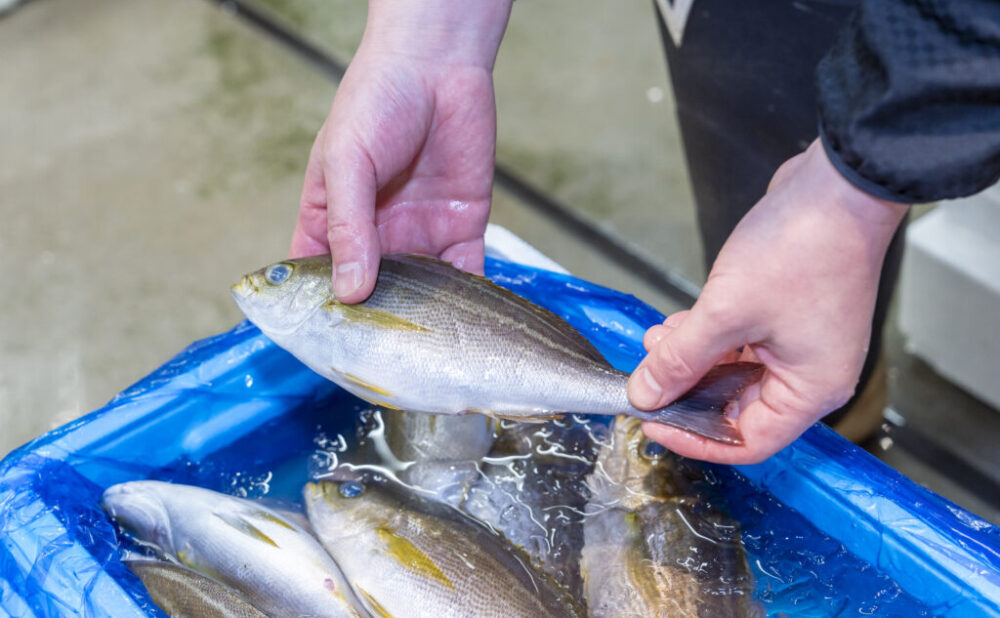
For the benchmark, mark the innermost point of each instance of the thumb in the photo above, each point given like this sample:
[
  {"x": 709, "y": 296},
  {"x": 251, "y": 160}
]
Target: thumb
[
  {"x": 350, "y": 217},
  {"x": 679, "y": 359}
]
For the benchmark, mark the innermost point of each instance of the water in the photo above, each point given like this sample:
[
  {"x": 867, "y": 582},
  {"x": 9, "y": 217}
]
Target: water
[{"x": 533, "y": 485}]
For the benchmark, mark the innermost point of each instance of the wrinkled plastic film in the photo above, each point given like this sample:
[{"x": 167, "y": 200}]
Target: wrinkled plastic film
[{"x": 237, "y": 414}]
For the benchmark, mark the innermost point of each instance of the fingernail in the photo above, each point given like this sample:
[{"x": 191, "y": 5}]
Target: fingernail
[
  {"x": 647, "y": 390},
  {"x": 348, "y": 279}
]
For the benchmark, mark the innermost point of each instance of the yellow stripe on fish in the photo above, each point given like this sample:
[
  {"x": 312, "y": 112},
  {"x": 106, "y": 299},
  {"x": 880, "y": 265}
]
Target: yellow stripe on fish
[
  {"x": 411, "y": 556},
  {"x": 374, "y": 317}
]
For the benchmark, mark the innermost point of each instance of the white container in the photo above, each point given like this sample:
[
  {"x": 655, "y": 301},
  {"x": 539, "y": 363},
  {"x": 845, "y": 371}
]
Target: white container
[{"x": 950, "y": 292}]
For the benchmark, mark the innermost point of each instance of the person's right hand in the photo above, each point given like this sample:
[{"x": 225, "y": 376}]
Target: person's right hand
[
  {"x": 793, "y": 288},
  {"x": 404, "y": 162}
]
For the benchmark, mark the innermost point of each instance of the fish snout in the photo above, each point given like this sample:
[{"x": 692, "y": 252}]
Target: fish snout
[
  {"x": 139, "y": 511},
  {"x": 244, "y": 288}
]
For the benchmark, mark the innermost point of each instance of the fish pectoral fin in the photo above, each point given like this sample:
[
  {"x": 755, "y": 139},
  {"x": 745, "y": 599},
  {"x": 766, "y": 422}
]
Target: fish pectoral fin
[
  {"x": 520, "y": 417},
  {"x": 240, "y": 524},
  {"x": 403, "y": 551},
  {"x": 374, "y": 607},
  {"x": 363, "y": 314}
]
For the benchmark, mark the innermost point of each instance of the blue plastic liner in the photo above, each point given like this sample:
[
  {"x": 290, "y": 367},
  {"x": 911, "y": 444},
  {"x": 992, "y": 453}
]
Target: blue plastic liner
[{"x": 237, "y": 414}]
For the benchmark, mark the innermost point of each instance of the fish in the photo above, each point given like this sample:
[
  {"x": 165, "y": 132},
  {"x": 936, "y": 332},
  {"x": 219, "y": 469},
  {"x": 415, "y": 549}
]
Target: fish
[
  {"x": 415, "y": 437},
  {"x": 439, "y": 452},
  {"x": 183, "y": 593},
  {"x": 407, "y": 556},
  {"x": 435, "y": 339},
  {"x": 650, "y": 546},
  {"x": 273, "y": 563},
  {"x": 531, "y": 489}
]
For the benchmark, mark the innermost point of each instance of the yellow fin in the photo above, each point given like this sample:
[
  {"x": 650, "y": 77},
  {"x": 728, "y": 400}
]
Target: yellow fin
[
  {"x": 533, "y": 418},
  {"x": 368, "y": 386},
  {"x": 274, "y": 519},
  {"x": 246, "y": 528},
  {"x": 372, "y": 316},
  {"x": 410, "y": 556},
  {"x": 376, "y": 607}
]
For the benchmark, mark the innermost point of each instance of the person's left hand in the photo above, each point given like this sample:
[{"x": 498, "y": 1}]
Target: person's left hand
[{"x": 404, "y": 162}]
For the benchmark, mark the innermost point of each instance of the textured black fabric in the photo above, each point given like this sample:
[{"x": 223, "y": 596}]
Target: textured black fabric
[
  {"x": 744, "y": 85},
  {"x": 909, "y": 98}
]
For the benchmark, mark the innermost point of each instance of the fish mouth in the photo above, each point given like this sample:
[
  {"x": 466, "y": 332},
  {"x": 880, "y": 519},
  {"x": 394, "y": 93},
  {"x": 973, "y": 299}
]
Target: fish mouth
[
  {"x": 245, "y": 287},
  {"x": 139, "y": 511}
]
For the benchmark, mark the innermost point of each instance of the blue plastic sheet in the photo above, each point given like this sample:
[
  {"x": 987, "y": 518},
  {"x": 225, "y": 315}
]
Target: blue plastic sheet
[{"x": 237, "y": 414}]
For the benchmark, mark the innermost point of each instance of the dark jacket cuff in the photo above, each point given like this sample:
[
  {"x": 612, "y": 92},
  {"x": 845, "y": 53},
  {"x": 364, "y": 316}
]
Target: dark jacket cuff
[{"x": 852, "y": 176}]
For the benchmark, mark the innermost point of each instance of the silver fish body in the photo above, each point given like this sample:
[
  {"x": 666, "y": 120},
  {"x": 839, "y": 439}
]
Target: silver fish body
[
  {"x": 650, "y": 548},
  {"x": 434, "y": 339},
  {"x": 417, "y": 437},
  {"x": 532, "y": 490},
  {"x": 183, "y": 593},
  {"x": 405, "y": 556},
  {"x": 273, "y": 563}
]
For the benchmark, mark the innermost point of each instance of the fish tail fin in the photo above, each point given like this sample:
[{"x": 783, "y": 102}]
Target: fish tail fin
[{"x": 702, "y": 410}]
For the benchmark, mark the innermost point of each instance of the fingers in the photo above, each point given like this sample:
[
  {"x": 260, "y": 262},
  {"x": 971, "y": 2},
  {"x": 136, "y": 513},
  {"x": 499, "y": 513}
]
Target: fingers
[
  {"x": 765, "y": 432},
  {"x": 350, "y": 183},
  {"x": 309, "y": 237},
  {"x": 678, "y": 358},
  {"x": 658, "y": 331},
  {"x": 467, "y": 255}
]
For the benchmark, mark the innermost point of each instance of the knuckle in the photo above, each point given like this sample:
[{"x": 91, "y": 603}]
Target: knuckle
[
  {"x": 718, "y": 313},
  {"x": 669, "y": 363}
]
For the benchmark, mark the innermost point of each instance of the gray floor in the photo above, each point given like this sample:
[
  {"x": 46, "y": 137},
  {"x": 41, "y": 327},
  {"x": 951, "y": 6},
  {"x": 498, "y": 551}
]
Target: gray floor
[{"x": 152, "y": 152}]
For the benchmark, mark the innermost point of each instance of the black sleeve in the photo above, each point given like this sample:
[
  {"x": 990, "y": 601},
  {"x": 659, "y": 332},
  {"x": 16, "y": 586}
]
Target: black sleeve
[{"x": 909, "y": 98}]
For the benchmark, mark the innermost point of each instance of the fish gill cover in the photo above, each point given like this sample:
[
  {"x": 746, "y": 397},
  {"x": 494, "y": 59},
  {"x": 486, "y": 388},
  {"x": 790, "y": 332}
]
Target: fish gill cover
[{"x": 237, "y": 414}]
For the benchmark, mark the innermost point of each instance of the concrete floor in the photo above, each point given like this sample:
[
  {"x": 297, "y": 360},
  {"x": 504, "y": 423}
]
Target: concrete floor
[{"x": 153, "y": 151}]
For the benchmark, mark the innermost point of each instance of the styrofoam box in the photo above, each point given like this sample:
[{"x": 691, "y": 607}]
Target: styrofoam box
[{"x": 950, "y": 292}]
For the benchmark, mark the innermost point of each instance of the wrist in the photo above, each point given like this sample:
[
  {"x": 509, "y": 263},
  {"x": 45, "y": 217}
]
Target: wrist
[
  {"x": 877, "y": 218},
  {"x": 448, "y": 32}
]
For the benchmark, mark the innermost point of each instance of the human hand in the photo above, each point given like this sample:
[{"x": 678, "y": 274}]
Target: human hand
[
  {"x": 404, "y": 162},
  {"x": 794, "y": 288}
]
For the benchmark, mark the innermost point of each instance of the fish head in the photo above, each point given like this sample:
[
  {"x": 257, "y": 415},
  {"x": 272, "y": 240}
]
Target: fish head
[
  {"x": 347, "y": 506},
  {"x": 280, "y": 297},
  {"x": 138, "y": 508},
  {"x": 635, "y": 469}
]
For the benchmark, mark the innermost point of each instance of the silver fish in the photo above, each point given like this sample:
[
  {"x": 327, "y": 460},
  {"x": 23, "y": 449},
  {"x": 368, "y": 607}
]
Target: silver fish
[
  {"x": 274, "y": 564},
  {"x": 428, "y": 437},
  {"x": 183, "y": 593},
  {"x": 432, "y": 338},
  {"x": 406, "y": 556},
  {"x": 531, "y": 489},
  {"x": 650, "y": 547}
]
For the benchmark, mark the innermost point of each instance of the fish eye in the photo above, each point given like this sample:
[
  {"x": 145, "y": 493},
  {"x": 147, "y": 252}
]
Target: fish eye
[
  {"x": 653, "y": 451},
  {"x": 351, "y": 489},
  {"x": 276, "y": 274}
]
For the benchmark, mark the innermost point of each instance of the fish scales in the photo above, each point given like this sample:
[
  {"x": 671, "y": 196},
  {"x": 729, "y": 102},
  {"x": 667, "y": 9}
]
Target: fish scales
[
  {"x": 277, "y": 566},
  {"x": 435, "y": 339},
  {"x": 397, "y": 549},
  {"x": 651, "y": 548},
  {"x": 183, "y": 593}
]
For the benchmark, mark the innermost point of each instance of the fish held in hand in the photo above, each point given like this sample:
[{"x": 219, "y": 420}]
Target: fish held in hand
[
  {"x": 432, "y": 338},
  {"x": 273, "y": 563},
  {"x": 406, "y": 556}
]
